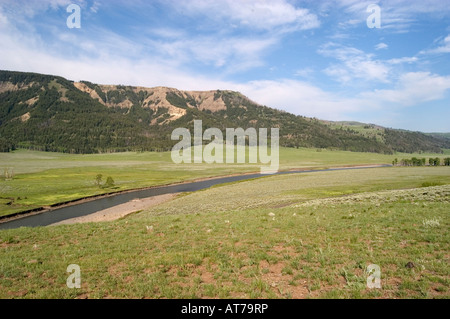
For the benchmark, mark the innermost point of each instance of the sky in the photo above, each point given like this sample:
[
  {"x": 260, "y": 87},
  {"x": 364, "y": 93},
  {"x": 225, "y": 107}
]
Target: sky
[{"x": 380, "y": 62}]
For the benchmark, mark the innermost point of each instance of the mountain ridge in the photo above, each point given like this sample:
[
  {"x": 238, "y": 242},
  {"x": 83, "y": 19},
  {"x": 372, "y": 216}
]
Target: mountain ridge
[{"x": 51, "y": 113}]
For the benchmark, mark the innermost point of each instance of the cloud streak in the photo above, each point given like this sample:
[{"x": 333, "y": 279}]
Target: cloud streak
[
  {"x": 413, "y": 88},
  {"x": 257, "y": 14},
  {"x": 354, "y": 64},
  {"x": 396, "y": 15},
  {"x": 444, "y": 47}
]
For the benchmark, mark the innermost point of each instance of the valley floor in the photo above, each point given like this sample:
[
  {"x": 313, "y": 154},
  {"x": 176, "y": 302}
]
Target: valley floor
[
  {"x": 309, "y": 235},
  {"x": 43, "y": 179}
]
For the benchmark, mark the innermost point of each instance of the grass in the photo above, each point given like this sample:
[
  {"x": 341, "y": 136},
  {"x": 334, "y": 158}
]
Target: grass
[
  {"x": 282, "y": 190},
  {"x": 366, "y": 130},
  {"x": 44, "y": 179},
  {"x": 293, "y": 236}
]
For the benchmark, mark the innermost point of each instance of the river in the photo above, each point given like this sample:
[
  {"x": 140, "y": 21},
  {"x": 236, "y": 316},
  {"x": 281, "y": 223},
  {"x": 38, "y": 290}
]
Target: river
[{"x": 97, "y": 204}]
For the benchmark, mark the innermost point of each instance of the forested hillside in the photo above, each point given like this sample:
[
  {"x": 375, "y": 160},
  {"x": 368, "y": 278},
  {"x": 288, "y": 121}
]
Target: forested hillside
[{"x": 50, "y": 113}]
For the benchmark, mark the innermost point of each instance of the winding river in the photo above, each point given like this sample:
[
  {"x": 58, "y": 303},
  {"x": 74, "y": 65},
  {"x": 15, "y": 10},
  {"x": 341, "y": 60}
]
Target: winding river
[{"x": 97, "y": 204}]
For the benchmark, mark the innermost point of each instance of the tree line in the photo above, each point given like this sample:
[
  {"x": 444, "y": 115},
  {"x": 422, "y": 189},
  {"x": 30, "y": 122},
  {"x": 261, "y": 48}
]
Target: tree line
[
  {"x": 79, "y": 124},
  {"x": 422, "y": 161}
]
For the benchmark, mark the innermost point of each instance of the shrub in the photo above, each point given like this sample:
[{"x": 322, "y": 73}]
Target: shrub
[
  {"x": 98, "y": 179},
  {"x": 109, "y": 182}
]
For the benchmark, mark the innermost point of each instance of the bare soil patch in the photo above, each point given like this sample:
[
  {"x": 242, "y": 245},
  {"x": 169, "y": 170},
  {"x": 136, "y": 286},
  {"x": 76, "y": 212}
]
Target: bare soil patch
[{"x": 119, "y": 211}]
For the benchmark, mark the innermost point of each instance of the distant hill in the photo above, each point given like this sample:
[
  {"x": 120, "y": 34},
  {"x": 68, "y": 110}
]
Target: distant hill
[
  {"x": 444, "y": 136},
  {"x": 50, "y": 113},
  {"x": 398, "y": 140}
]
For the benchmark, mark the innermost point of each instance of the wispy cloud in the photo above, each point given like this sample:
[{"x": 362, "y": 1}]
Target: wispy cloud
[
  {"x": 228, "y": 53},
  {"x": 443, "y": 47},
  {"x": 413, "y": 88},
  {"x": 232, "y": 53},
  {"x": 396, "y": 15},
  {"x": 353, "y": 64},
  {"x": 304, "y": 73},
  {"x": 233, "y": 36},
  {"x": 381, "y": 46},
  {"x": 302, "y": 98},
  {"x": 255, "y": 14},
  {"x": 403, "y": 60},
  {"x": 95, "y": 7}
]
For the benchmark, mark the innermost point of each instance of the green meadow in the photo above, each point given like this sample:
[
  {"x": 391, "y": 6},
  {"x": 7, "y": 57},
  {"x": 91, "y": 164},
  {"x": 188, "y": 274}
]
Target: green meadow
[
  {"x": 308, "y": 235},
  {"x": 43, "y": 178}
]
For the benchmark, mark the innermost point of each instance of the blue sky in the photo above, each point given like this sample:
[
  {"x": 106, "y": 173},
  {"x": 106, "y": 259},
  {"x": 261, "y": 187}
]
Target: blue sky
[{"x": 313, "y": 58}]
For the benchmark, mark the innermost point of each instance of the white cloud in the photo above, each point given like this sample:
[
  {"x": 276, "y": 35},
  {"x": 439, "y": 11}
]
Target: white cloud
[
  {"x": 95, "y": 7},
  {"x": 444, "y": 47},
  {"x": 231, "y": 54},
  {"x": 304, "y": 73},
  {"x": 105, "y": 69},
  {"x": 402, "y": 60},
  {"x": 354, "y": 64},
  {"x": 381, "y": 46},
  {"x": 413, "y": 88},
  {"x": 396, "y": 15},
  {"x": 301, "y": 98},
  {"x": 170, "y": 33},
  {"x": 26, "y": 52},
  {"x": 253, "y": 14},
  {"x": 240, "y": 53},
  {"x": 28, "y": 9}
]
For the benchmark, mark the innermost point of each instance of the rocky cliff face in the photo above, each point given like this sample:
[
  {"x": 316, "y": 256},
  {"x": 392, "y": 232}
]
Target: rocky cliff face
[{"x": 155, "y": 98}]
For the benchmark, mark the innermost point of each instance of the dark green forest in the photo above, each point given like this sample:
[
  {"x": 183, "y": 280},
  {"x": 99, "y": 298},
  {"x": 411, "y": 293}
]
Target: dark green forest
[{"x": 65, "y": 119}]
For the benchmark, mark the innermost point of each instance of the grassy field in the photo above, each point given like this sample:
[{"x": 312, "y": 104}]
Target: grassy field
[
  {"x": 309, "y": 235},
  {"x": 43, "y": 179},
  {"x": 367, "y": 130}
]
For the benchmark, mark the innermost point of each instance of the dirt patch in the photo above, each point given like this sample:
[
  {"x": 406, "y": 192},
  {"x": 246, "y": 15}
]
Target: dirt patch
[
  {"x": 32, "y": 101},
  {"x": 84, "y": 88},
  {"x": 9, "y": 86},
  {"x": 280, "y": 250},
  {"x": 300, "y": 291},
  {"x": 206, "y": 101},
  {"x": 119, "y": 211},
  {"x": 280, "y": 283},
  {"x": 18, "y": 294},
  {"x": 206, "y": 276},
  {"x": 25, "y": 117}
]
